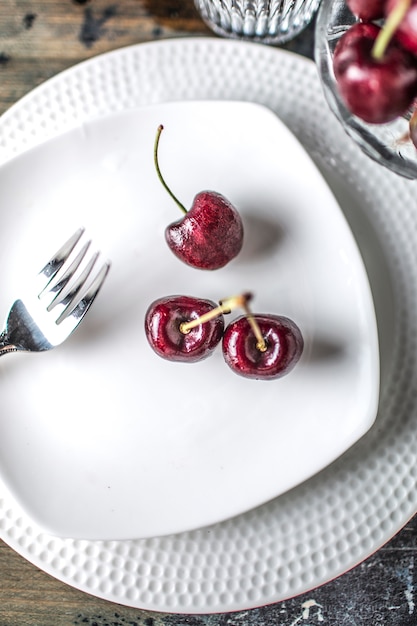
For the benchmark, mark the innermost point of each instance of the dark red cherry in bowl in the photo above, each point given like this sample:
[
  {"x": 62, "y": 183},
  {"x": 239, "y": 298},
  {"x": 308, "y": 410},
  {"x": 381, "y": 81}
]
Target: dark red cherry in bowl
[
  {"x": 262, "y": 346},
  {"x": 406, "y": 30},
  {"x": 210, "y": 233},
  {"x": 377, "y": 90},
  {"x": 170, "y": 331},
  {"x": 367, "y": 10}
]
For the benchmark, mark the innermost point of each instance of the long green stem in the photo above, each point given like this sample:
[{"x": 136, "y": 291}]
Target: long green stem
[
  {"x": 392, "y": 22},
  {"x": 158, "y": 171}
]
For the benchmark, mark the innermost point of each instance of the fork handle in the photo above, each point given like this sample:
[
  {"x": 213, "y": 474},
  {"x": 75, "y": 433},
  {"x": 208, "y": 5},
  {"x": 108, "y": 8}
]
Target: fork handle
[
  {"x": 7, "y": 349},
  {"x": 6, "y": 346}
]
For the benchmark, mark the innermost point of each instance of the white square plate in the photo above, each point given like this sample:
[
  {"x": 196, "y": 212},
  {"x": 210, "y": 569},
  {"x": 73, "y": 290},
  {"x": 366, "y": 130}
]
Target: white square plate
[{"x": 100, "y": 438}]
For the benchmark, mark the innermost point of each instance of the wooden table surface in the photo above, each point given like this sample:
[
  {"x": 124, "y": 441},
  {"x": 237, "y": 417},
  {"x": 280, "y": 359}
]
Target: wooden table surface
[{"x": 38, "y": 39}]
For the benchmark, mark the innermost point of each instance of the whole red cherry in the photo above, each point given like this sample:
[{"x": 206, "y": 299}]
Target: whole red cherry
[
  {"x": 210, "y": 233},
  {"x": 377, "y": 90},
  {"x": 406, "y": 31},
  {"x": 169, "y": 332},
  {"x": 367, "y": 10},
  {"x": 262, "y": 346}
]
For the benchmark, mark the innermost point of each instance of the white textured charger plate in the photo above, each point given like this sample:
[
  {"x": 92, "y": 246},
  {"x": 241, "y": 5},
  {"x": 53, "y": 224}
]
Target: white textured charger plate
[
  {"x": 152, "y": 447},
  {"x": 337, "y": 518}
]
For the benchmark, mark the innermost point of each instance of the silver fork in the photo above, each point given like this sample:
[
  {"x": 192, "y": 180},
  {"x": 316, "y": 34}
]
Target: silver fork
[{"x": 56, "y": 301}]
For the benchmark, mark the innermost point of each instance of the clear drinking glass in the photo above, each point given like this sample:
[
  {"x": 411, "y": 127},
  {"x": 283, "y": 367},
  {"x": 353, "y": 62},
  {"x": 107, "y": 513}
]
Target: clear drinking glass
[
  {"x": 266, "y": 21},
  {"x": 388, "y": 144}
]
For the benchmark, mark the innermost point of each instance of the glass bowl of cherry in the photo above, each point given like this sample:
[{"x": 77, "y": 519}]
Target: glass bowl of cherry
[{"x": 366, "y": 55}]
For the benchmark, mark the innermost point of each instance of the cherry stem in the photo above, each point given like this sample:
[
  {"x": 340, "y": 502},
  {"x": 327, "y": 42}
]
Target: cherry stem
[
  {"x": 227, "y": 306},
  {"x": 158, "y": 171},
  {"x": 260, "y": 341},
  {"x": 387, "y": 32}
]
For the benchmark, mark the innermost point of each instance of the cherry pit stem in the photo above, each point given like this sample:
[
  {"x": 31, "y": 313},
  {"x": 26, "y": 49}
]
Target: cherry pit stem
[
  {"x": 260, "y": 341},
  {"x": 227, "y": 306},
  {"x": 391, "y": 24},
  {"x": 158, "y": 171}
]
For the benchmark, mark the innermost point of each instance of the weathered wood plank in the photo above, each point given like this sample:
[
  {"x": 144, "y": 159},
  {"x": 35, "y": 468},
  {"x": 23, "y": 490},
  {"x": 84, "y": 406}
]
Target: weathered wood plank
[{"x": 39, "y": 40}]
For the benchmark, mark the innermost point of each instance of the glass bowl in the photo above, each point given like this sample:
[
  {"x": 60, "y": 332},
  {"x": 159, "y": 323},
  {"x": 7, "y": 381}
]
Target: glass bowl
[{"x": 388, "y": 144}]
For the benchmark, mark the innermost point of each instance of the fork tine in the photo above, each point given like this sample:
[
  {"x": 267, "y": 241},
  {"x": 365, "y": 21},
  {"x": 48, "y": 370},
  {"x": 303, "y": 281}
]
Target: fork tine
[
  {"x": 71, "y": 295},
  {"x": 51, "y": 269},
  {"x": 58, "y": 289},
  {"x": 80, "y": 309}
]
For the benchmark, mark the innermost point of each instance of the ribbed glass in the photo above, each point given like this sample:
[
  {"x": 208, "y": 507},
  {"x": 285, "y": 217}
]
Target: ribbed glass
[{"x": 268, "y": 21}]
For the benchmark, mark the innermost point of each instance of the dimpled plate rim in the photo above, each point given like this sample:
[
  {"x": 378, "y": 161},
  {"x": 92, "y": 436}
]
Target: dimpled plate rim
[{"x": 339, "y": 517}]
